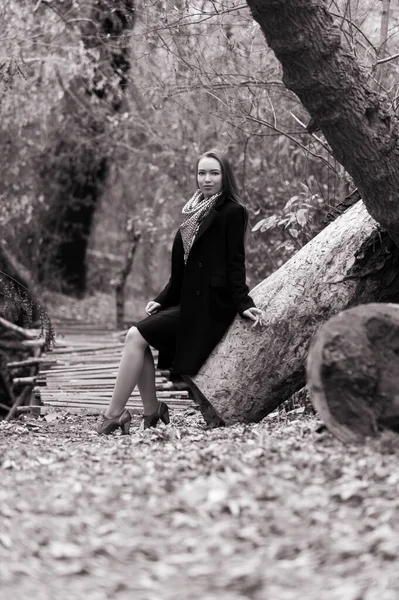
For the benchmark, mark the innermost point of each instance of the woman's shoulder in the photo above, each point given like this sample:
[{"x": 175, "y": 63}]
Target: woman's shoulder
[{"x": 230, "y": 207}]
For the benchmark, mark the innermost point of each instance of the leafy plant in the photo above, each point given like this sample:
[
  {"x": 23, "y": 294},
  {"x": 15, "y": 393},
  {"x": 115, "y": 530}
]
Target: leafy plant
[{"x": 299, "y": 218}]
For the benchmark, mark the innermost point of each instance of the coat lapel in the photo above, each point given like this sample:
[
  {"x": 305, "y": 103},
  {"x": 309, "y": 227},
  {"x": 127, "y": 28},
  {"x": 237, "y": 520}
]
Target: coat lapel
[{"x": 206, "y": 222}]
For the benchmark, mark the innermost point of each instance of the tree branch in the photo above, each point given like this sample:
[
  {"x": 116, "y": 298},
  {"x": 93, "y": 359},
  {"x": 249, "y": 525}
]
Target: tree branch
[{"x": 290, "y": 137}]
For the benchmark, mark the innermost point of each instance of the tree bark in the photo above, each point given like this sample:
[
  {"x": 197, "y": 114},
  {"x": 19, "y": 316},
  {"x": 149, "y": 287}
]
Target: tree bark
[
  {"x": 252, "y": 371},
  {"x": 133, "y": 239},
  {"x": 358, "y": 124},
  {"x": 353, "y": 371}
]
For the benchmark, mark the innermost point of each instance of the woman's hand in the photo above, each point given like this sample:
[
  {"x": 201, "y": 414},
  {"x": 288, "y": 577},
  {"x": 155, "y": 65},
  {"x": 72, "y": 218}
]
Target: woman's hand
[
  {"x": 152, "y": 307},
  {"x": 256, "y": 314}
]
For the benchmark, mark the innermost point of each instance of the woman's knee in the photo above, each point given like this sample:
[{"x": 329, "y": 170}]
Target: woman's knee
[{"x": 134, "y": 338}]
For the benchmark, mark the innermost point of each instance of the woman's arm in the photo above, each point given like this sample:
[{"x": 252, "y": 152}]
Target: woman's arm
[
  {"x": 236, "y": 273},
  {"x": 170, "y": 295}
]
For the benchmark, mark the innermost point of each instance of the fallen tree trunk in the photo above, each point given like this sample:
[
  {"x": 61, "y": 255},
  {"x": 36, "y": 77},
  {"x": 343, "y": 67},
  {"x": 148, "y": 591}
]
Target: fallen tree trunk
[
  {"x": 353, "y": 371},
  {"x": 252, "y": 371}
]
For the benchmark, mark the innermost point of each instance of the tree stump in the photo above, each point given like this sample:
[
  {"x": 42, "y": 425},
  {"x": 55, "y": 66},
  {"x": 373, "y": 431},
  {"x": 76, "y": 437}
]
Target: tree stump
[{"x": 353, "y": 371}]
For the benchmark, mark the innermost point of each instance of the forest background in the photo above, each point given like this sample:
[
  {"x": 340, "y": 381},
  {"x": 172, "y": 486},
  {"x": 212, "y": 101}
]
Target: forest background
[{"x": 105, "y": 107}]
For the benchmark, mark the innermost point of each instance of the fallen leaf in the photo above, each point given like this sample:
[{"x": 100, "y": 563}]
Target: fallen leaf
[{"x": 60, "y": 550}]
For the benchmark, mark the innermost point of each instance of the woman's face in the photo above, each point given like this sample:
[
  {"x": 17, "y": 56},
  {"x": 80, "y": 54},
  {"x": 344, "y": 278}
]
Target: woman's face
[{"x": 209, "y": 176}]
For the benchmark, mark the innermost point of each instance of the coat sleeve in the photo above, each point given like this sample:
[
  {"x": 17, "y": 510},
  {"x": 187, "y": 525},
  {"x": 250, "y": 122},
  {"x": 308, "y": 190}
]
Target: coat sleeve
[
  {"x": 235, "y": 233},
  {"x": 170, "y": 295}
]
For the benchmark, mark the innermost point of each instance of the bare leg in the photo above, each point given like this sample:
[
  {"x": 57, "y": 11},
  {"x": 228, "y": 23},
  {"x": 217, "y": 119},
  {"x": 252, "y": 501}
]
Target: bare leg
[
  {"x": 129, "y": 371},
  {"x": 146, "y": 384}
]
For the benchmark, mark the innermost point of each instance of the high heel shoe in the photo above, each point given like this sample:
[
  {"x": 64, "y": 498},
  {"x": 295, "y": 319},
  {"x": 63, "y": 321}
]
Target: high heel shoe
[
  {"x": 109, "y": 425},
  {"x": 162, "y": 413}
]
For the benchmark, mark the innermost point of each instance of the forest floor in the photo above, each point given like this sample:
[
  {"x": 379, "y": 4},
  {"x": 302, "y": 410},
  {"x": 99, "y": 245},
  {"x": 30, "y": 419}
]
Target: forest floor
[{"x": 269, "y": 511}]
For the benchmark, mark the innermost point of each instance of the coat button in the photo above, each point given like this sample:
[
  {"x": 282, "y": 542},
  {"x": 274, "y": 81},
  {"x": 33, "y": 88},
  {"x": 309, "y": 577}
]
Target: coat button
[{"x": 198, "y": 292}]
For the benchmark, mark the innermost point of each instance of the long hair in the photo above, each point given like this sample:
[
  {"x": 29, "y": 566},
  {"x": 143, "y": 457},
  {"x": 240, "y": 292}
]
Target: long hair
[{"x": 230, "y": 186}]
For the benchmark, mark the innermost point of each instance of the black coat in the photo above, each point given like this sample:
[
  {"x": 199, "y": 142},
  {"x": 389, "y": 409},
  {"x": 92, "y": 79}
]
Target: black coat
[{"x": 210, "y": 289}]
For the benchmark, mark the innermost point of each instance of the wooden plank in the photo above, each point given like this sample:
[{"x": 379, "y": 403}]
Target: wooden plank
[
  {"x": 67, "y": 368},
  {"x": 21, "y": 345},
  {"x": 104, "y": 399},
  {"x": 75, "y": 330},
  {"x": 180, "y": 396},
  {"x": 29, "y": 362},
  {"x": 107, "y": 391},
  {"x": 162, "y": 389},
  {"x": 105, "y": 404},
  {"x": 84, "y": 349},
  {"x": 87, "y": 352},
  {"x": 83, "y": 344},
  {"x": 108, "y": 394},
  {"x": 85, "y": 356},
  {"x": 100, "y": 380},
  {"x": 95, "y": 366},
  {"x": 86, "y": 374},
  {"x": 87, "y": 366},
  {"x": 60, "y": 382},
  {"x": 101, "y": 407},
  {"x": 90, "y": 402},
  {"x": 79, "y": 362},
  {"x": 83, "y": 372},
  {"x": 104, "y": 378},
  {"x": 84, "y": 365},
  {"x": 27, "y": 334}
]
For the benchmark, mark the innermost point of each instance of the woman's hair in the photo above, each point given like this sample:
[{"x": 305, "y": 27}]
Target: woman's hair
[{"x": 230, "y": 186}]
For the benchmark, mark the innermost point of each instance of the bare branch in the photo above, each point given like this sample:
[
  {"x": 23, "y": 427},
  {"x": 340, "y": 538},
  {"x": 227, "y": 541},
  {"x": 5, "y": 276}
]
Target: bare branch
[
  {"x": 387, "y": 59},
  {"x": 338, "y": 16},
  {"x": 290, "y": 137},
  {"x": 312, "y": 134}
]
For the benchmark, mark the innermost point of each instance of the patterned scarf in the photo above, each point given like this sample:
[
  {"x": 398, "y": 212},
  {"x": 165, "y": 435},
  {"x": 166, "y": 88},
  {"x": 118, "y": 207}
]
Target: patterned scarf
[{"x": 194, "y": 212}]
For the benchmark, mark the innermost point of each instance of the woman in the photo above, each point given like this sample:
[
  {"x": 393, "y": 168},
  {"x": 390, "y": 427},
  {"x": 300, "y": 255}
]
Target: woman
[{"x": 206, "y": 290}]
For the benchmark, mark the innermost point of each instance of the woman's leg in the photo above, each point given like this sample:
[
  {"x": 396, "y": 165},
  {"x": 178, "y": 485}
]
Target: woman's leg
[
  {"x": 130, "y": 369},
  {"x": 146, "y": 384}
]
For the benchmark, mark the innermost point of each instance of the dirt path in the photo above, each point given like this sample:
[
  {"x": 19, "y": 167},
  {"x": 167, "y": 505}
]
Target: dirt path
[{"x": 273, "y": 511}]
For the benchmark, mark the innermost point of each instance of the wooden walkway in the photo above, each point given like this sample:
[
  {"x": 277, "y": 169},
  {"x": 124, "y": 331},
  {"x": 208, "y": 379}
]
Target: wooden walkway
[{"x": 82, "y": 368}]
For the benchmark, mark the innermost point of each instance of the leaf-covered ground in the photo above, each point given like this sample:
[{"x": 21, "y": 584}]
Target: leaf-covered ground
[{"x": 273, "y": 511}]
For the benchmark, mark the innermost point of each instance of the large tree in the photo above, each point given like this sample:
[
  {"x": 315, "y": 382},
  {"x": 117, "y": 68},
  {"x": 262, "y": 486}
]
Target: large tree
[
  {"x": 357, "y": 122},
  {"x": 351, "y": 261},
  {"x": 74, "y": 166}
]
